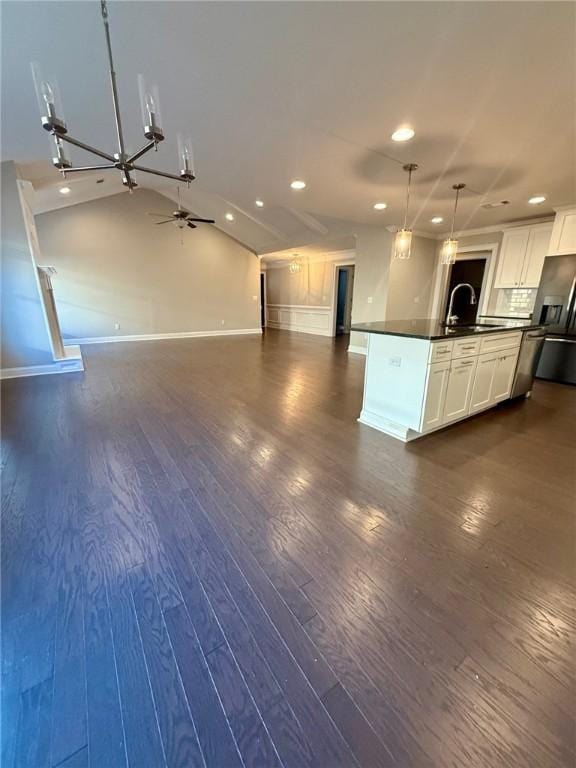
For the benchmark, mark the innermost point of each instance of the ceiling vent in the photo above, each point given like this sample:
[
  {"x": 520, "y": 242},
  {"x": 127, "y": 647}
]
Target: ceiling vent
[{"x": 496, "y": 204}]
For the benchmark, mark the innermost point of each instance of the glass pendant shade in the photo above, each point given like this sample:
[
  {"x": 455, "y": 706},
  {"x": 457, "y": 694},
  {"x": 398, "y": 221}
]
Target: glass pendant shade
[
  {"x": 450, "y": 245},
  {"x": 403, "y": 244},
  {"x": 449, "y": 251},
  {"x": 403, "y": 239},
  {"x": 186, "y": 158},
  {"x": 49, "y": 101},
  {"x": 150, "y": 107}
]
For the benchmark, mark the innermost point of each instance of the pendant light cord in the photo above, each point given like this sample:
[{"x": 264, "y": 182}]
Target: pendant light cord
[
  {"x": 407, "y": 198},
  {"x": 458, "y": 188}
]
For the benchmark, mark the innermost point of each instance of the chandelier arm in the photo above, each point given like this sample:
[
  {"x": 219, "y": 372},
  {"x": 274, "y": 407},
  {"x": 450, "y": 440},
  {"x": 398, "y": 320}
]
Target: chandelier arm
[
  {"x": 115, "y": 100},
  {"x": 145, "y": 148},
  {"x": 77, "y": 169},
  {"x": 86, "y": 147},
  {"x": 157, "y": 173}
]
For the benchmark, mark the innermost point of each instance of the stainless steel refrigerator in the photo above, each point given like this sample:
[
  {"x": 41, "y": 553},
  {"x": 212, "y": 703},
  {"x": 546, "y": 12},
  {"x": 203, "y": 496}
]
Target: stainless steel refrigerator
[{"x": 556, "y": 307}]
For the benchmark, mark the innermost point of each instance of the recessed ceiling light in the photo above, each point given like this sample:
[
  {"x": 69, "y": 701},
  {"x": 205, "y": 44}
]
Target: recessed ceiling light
[
  {"x": 403, "y": 133},
  {"x": 437, "y": 220},
  {"x": 64, "y": 190},
  {"x": 259, "y": 203},
  {"x": 229, "y": 216},
  {"x": 380, "y": 206},
  {"x": 298, "y": 184},
  {"x": 537, "y": 199}
]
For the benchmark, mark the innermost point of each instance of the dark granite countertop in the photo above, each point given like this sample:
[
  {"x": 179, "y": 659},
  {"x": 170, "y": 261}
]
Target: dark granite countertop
[{"x": 428, "y": 328}]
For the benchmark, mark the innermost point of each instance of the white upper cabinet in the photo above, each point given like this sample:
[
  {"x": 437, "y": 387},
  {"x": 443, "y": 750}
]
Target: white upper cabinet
[
  {"x": 522, "y": 256},
  {"x": 538, "y": 246},
  {"x": 511, "y": 261},
  {"x": 563, "y": 240}
]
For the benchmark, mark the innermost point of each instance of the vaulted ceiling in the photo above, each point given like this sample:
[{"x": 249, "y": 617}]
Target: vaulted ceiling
[{"x": 282, "y": 90}]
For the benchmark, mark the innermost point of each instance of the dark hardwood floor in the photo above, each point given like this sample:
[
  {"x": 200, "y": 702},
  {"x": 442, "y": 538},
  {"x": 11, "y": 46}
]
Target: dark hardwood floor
[{"x": 208, "y": 562}]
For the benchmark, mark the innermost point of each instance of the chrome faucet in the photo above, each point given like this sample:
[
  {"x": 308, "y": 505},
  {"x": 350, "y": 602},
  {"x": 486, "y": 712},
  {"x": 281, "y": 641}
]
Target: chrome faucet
[{"x": 450, "y": 318}]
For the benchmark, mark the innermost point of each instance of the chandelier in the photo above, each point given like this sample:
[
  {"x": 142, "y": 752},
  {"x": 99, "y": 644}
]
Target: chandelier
[
  {"x": 295, "y": 266},
  {"x": 123, "y": 161}
]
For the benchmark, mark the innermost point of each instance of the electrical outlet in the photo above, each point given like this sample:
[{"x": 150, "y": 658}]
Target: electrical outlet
[
  {"x": 396, "y": 361},
  {"x": 116, "y": 326},
  {"x": 416, "y": 299},
  {"x": 223, "y": 322},
  {"x": 369, "y": 299},
  {"x": 254, "y": 298}
]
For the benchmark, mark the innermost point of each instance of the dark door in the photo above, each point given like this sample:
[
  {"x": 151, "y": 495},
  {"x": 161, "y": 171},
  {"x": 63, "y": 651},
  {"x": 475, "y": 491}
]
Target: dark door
[
  {"x": 262, "y": 299},
  {"x": 341, "y": 300},
  {"x": 468, "y": 271}
]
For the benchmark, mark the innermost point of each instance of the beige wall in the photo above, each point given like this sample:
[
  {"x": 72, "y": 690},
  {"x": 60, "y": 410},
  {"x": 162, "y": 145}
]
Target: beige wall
[
  {"x": 397, "y": 289},
  {"x": 373, "y": 248},
  {"x": 25, "y": 341},
  {"x": 312, "y": 286},
  {"x": 411, "y": 284},
  {"x": 116, "y": 266}
]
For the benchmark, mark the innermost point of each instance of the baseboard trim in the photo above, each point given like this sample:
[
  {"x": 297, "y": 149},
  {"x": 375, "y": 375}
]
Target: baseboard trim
[
  {"x": 297, "y": 328},
  {"x": 398, "y": 431},
  {"x": 160, "y": 336},
  {"x": 357, "y": 350},
  {"x": 72, "y": 365}
]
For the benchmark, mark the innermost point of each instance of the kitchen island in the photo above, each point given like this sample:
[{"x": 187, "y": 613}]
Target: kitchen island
[{"x": 422, "y": 375}]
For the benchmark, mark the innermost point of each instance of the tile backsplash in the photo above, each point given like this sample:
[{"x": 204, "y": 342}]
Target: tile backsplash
[{"x": 515, "y": 301}]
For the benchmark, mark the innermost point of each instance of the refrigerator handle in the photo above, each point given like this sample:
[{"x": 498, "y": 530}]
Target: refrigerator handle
[{"x": 571, "y": 300}]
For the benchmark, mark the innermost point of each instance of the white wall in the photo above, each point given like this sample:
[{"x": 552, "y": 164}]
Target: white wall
[{"x": 116, "y": 266}]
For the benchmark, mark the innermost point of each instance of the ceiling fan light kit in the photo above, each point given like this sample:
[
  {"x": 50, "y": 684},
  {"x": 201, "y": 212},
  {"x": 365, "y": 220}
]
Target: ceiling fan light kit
[
  {"x": 53, "y": 121},
  {"x": 181, "y": 217}
]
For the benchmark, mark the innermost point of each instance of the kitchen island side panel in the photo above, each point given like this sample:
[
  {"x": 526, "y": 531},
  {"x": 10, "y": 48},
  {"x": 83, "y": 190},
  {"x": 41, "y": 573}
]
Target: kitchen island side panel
[{"x": 395, "y": 378}]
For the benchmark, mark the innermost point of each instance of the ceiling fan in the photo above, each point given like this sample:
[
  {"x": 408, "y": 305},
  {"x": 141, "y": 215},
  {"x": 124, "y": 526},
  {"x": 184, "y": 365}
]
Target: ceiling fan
[{"x": 181, "y": 217}]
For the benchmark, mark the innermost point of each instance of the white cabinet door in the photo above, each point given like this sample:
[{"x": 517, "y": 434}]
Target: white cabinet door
[
  {"x": 511, "y": 260},
  {"x": 459, "y": 389},
  {"x": 538, "y": 247},
  {"x": 563, "y": 240},
  {"x": 435, "y": 395},
  {"x": 504, "y": 376},
  {"x": 482, "y": 388}
]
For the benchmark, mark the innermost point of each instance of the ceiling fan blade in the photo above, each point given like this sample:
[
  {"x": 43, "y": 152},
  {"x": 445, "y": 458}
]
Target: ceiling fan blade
[
  {"x": 168, "y": 221},
  {"x": 203, "y": 221},
  {"x": 192, "y": 226}
]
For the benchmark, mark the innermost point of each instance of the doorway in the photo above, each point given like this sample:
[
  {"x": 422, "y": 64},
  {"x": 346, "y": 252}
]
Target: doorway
[
  {"x": 466, "y": 271},
  {"x": 263, "y": 299},
  {"x": 344, "y": 292}
]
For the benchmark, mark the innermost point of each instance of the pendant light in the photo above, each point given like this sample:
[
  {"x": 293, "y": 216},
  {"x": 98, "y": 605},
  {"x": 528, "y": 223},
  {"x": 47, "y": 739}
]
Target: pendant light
[
  {"x": 450, "y": 246},
  {"x": 403, "y": 240}
]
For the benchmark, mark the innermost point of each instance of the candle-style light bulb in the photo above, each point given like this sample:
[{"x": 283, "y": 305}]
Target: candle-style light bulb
[
  {"x": 186, "y": 157},
  {"x": 150, "y": 106},
  {"x": 48, "y": 96},
  {"x": 49, "y": 103}
]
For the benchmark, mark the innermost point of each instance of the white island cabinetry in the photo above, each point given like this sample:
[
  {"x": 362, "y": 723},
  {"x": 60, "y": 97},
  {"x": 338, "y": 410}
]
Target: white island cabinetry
[{"x": 414, "y": 386}]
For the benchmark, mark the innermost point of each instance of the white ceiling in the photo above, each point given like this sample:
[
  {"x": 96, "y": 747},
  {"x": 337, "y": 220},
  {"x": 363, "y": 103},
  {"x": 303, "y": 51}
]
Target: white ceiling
[{"x": 282, "y": 90}]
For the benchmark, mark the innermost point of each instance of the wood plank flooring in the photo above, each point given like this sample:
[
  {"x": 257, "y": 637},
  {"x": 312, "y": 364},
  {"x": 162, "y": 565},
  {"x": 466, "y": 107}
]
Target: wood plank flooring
[{"x": 207, "y": 561}]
